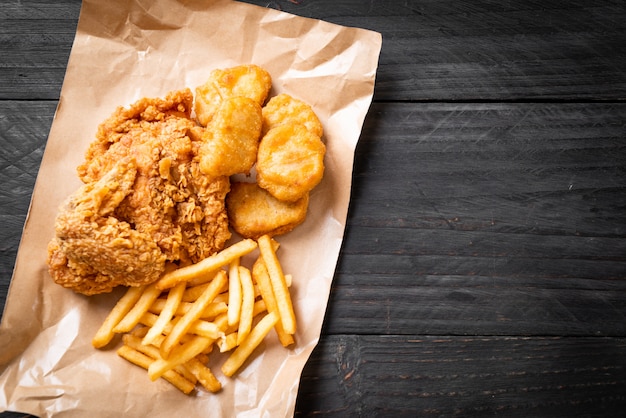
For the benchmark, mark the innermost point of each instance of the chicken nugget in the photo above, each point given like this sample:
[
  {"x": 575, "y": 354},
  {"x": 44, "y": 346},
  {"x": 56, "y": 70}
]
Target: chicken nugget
[
  {"x": 290, "y": 162},
  {"x": 254, "y": 212},
  {"x": 284, "y": 109},
  {"x": 231, "y": 141},
  {"x": 249, "y": 81}
]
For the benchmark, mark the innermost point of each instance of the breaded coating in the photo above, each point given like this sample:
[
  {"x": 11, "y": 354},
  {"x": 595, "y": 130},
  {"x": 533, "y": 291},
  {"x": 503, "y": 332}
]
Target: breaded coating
[
  {"x": 254, "y": 212},
  {"x": 290, "y": 162},
  {"x": 249, "y": 81},
  {"x": 181, "y": 211},
  {"x": 93, "y": 251},
  {"x": 286, "y": 110},
  {"x": 231, "y": 140}
]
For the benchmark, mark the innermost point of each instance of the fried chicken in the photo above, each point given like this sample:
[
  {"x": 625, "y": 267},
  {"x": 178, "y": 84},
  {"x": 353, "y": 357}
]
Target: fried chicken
[
  {"x": 249, "y": 81},
  {"x": 94, "y": 251},
  {"x": 254, "y": 212},
  {"x": 232, "y": 140},
  {"x": 286, "y": 110},
  {"x": 290, "y": 162},
  {"x": 169, "y": 203}
]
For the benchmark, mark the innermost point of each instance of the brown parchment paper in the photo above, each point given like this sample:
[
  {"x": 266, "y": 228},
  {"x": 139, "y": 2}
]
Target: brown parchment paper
[{"x": 125, "y": 50}]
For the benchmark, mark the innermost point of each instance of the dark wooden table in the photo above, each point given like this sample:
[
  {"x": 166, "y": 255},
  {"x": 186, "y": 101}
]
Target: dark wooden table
[{"x": 484, "y": 265}]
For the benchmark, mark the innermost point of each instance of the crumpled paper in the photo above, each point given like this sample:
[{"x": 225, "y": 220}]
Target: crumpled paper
[{"x": 123, "y": 51}]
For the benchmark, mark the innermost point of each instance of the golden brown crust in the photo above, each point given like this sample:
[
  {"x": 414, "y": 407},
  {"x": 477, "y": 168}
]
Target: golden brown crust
[
  {"x": 249, "y": 81},
  {"x": 254, "y": 212},
  {"x": 169, "y": 211},
  {"x": 290, "y": 162},
  {"x": 231, "y": 140},
  {"x": 286, "y": 110}
]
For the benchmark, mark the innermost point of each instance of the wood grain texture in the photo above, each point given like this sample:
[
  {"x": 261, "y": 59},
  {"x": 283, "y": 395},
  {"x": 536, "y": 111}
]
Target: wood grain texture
[
  {"x": 35, "y": 42},
  {"x": 414, "y": 376}
]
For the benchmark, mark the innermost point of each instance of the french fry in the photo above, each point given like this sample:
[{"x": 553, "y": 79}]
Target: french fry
[
  {"x": 243, "y": 351},
  {"x": 227, "y": 342},
  {"x": 105, "y": 333},
  {"x": 205, "y": 329},
  {"x": 209, "y": 264},
  {"x": 212, "y": 310},
  {"x": 247, "y": 304},
  {"x": 279, "y": 285},
  {"x": 262, "y": 278},
  {"x": 179, "y": 355},
  {"x": 259, "y": 307},
  {"x": 193, "y": 292},
  {"x": 144, "y": 361},
  {"x": 149, "y": 295},
  {"x": 199, "y": 307},
  {"x": 153, "y": 352},
  {"x": 198, "y": 327},
  {"x": 149, "y": 319},
  {"x": 185, "y": 322},
  {"x": 204, "y": 375},
  {"x": 171, "y": 304},
  {"x": 234, "y": 293}
]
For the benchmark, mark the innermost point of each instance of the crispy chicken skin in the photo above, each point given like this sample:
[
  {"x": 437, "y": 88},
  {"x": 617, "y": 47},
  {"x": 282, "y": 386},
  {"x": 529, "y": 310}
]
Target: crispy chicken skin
[
  {"x": 169, "y": 202},
  {"x": 94, "y": 251}
]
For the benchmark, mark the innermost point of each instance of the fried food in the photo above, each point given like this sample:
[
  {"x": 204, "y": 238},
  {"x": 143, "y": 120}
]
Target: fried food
[
  {"x": 253, "y": 211},
  {"x": 93, "y": 251},
  {"x": 249, "y": 81},
  {"x": 171, "y": 200},
  {"x": 166, "y": 209},
  {"x": 156, "y": 179},
  {"x": 286, "y": 110},
  {"x": 175, "y": 345},
  {"x": 290, "y": 162},
  {"x": 232, "y": 138}
]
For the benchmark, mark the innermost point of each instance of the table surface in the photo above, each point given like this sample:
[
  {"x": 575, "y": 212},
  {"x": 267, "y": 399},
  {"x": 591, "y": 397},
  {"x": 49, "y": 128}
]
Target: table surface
[{"x": 483, "y": 270}]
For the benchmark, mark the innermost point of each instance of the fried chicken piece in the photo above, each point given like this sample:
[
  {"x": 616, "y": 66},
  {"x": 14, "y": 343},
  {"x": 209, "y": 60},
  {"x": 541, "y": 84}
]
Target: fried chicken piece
[
  {"x": 249, "y": 81},
  {"x": 232, "y": 138},
  {"x": 290, "y": 162},
  {"x": 171, "y": 200},
  {"x": 254, "y": 212},
  {"x": 93, "y": 251},
  {"x": 167, "y": 210},
  {"x": 286, "y": 110},
  {"x": 202, "y": 216}
]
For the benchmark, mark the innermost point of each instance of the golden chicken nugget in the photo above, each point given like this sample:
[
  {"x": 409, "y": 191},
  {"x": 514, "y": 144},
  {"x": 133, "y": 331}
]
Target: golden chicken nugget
[
  {"x": 231, "y": 141},
  {"x": 254, "y": 212},
  {"x": 290, "y": 162},
  {"x": 249, "y": 81},
  {"x": 286, "y": 110}
]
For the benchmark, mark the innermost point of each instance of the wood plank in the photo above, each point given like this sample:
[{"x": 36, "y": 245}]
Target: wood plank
[
  {"x": 35, "y": 42},
  {"x": 541, "y": 169},
  {"x": 408, "y": 376},
  {"x": 500, "y": 219},
  {"x": 432, "y": 50}
]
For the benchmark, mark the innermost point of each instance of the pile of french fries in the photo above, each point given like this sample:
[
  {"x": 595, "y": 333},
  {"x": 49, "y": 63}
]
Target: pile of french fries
[{"x": 172, "y": 326}]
